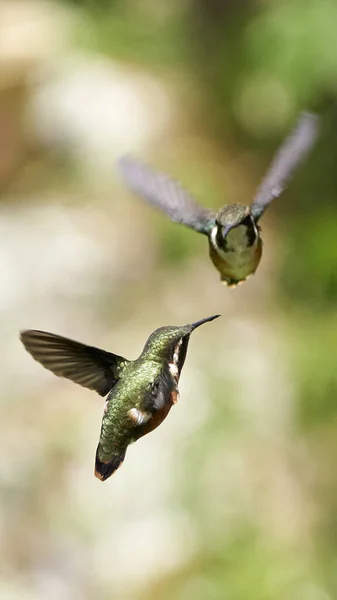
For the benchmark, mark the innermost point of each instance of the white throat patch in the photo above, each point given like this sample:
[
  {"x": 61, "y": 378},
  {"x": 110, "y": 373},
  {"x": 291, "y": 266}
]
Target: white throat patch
[{"x": 173, "y": 366}]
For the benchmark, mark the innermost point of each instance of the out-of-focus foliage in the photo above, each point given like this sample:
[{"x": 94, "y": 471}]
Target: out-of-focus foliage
[{"x": 235, "y": 496}]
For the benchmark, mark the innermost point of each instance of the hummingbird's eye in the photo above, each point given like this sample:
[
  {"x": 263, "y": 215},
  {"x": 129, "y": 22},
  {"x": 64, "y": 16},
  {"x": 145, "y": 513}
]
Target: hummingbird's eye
[
  {"x": 221, "y": 236},
  {"x": 248, "y": 221},
  {"x": 251, "y": 230}
]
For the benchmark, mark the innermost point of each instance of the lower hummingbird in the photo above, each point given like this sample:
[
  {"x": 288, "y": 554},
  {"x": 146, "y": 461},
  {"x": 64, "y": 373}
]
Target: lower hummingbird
[
  {"x": 235, "y": 244},
  {"x": 140, "y": 393}
]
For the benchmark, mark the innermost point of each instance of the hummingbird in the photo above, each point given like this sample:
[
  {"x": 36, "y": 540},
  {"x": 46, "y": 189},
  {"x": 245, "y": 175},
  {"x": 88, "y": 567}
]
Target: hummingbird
[
  {"x": 235, "y": 244},
  {"x": 140, "y": 393}
]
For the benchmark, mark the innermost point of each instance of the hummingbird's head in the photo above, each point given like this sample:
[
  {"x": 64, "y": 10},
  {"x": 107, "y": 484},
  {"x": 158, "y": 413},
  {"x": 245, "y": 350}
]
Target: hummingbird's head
[
  {"x": 232, "y": 216},
  {"x": 169, "y": 344}
]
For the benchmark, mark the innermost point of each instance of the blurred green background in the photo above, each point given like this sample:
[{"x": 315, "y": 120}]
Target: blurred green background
[{"x": 234, "y": 497}]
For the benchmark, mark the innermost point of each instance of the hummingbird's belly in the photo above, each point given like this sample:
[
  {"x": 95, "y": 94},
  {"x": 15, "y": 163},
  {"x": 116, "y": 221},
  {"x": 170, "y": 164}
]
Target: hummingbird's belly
[
  {"x": 127, "y": 414},
  {"x": 159, "y": 415},
  {"x": 236, "y": 265}
]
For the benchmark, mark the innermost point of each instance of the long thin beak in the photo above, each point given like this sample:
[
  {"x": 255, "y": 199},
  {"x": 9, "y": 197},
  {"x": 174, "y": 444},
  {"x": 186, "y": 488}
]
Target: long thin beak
[
  {"x": 198, "y": 323},
  {"x": 226, "y": 230}
]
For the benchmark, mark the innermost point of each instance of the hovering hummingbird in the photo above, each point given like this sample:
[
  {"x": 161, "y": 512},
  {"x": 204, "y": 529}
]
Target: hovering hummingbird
[
  {"x": 140, "y": 393},
  {"x": 235, "y": 244}
]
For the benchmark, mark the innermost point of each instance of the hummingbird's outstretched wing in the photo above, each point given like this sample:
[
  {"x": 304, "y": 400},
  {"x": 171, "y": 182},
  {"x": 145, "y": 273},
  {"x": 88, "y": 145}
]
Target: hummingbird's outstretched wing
[
  {"x": 86, "y": 365},
  {"x": 165, "y": 193},
  {"x": 289, "y": 156}
]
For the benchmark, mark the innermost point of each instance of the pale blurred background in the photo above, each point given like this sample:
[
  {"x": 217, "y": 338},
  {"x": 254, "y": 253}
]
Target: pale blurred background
[{"x": 234, "y": 497}]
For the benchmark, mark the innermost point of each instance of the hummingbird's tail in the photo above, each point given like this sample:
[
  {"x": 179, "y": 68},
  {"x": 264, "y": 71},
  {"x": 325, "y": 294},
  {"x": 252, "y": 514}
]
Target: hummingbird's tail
[{"x": 103, "y": 470}]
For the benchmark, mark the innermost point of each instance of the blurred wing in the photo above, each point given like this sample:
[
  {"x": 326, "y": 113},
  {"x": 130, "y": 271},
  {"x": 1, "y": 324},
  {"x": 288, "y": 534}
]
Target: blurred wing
[
  {"x": 160, "y": 390},
  {"x": 88, "y": 366},
  {"x": 292, "y": 152},
  {"x": 165, "y": 193}
]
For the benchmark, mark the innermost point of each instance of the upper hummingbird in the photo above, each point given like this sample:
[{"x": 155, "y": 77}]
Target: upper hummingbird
[
  {"x": 139, "y": 392},
  {"x": 235, "y": 244}
]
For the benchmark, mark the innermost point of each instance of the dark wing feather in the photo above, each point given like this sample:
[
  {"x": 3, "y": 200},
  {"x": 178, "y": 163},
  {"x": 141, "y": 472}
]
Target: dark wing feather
[
  {"x": 86, "y": 365},
  {"x": 166, "y": 194},
  {"x": 160, "y": 390},
  {"x": 289, "y": 156}
]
